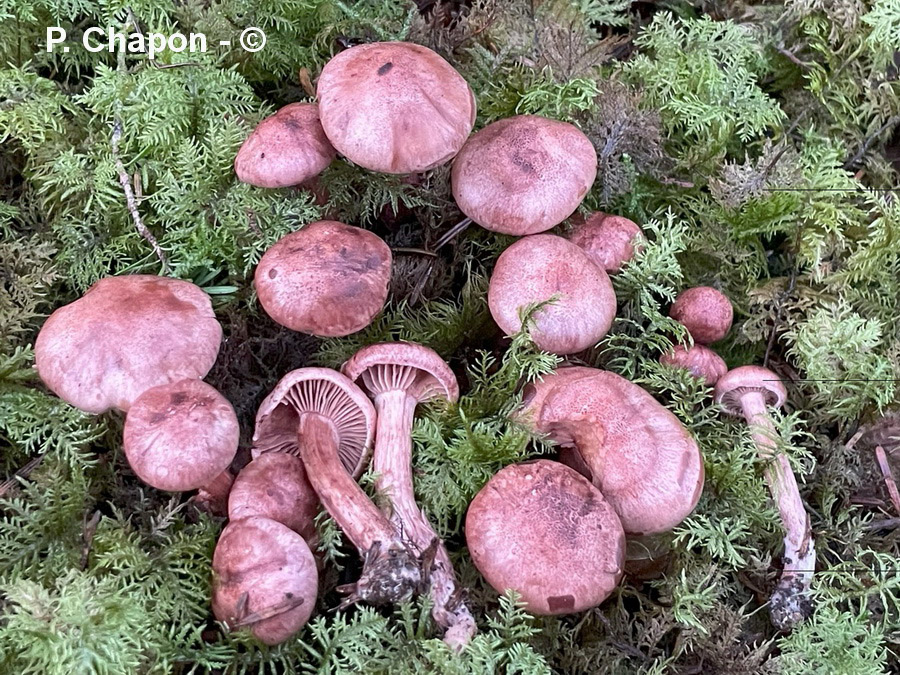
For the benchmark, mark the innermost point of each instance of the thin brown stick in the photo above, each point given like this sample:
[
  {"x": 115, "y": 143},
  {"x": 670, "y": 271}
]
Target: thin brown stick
[
  {"x": 11, "y": 482},
  {"x": 130, "y": 200},
  {"x": 888, "y": 477}
]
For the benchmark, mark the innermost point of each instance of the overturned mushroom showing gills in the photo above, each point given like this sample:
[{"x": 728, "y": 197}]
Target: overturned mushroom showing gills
[
  {"x": 327, "y": 279},
  {"x": 395, "y": 107},
  {"x": 399, "y": 376},
  {"x": 643, "y": 460},
  {"x": 608, "y": 240},
  {"x": 264, "y": 579},
  {"x": 287, "y": 148},
  {"x": 544, "y": 531},
  {"x": 748, "y": 392},
  {"x": 705, "y": 312},
  {"x": 322, "y": 417},
  {"x": 523, "y": 175},
  {"x": 274, "y": 485},
  {"x": 544, "y": 268},
  {"x": 701, "y": 361},
  {"x": 124, "y": 336},
  {"x": 183, "y": 436}
]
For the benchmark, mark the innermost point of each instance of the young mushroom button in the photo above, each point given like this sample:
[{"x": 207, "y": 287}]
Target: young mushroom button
[
  {"x": 705, "y": 312},
  {"x": 325, "y": 419},
  {"x": 327, "y": 279},
  {"x": 748, "y": 392},
  {"x": 182, "y": 436},
  {"x": 523, "y": 175},
  {"x": 264, "y": 578},
  {"x": 608, "y": 240},
  {"x": 645, "y": 462},
  {"x": 544, "y": 531},
  {"x": 288, "y": 148},
  {"x": 124, "y": 336},
  {"x": 399, "y": 376},
  {"x": 275, "y": 485},
  {"x": 395, "y": 107},
  {"x": 544, "y": 268},
  {"x": 699, "y": 360}
]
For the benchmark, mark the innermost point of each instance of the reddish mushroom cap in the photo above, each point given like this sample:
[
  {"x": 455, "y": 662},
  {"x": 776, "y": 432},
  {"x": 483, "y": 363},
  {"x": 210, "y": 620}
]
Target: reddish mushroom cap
[
  {"x": 735, "y": 383},
  {"x": 702, "y": 362},
  {"x": 264, "y": 578},
  {"x": 544, "y": 531},
  {"x": 705, "y": 312},
  {"x": 416, "y": 369},
  {"x": 325, "y": 392},
  {"x": 180, "y": 436},
  {"x": 395, "y": 107},
  {"x": 537, "y": 268},
  {"x": 287, "y": 148},
  {"x": 275, "y": 486},
  {"x": 328, "y": 279},
  {"x": 535, "y": 393},
  {"x": 522, "y": 175},
  {"x": 608, "y": 240},
  {"x": 124, "y": 336},
  {"x": 645, "y": 462}
]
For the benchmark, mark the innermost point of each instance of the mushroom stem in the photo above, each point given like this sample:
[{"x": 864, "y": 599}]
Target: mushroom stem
[
  {"x": 789, "y": 603},
  {"x": 391, "y": 571},
  {"x": 392, "y": 461}
]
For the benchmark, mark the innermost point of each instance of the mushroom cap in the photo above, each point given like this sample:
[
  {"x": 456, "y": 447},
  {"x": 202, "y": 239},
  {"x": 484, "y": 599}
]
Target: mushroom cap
[
  {"x": 536, "y": 268},
  {"x": 608, "y": 240},
  {"x": 263, "y": 567},
  {"x": 645, "y": 462},
  {"x": 522, "y": 175},
  {"x": 535, "y": 393},
  {"x": 705, "y": 312},
  {"x": 702, "y": 362},
  {"x": 325, "y": 392},
  {"x": 287, "y": 148},
  {"x": 180, "y": 436},
  {"x": 327, "y": 279},
  {"x": 395, "y": 107},
  {"x": 408, "y": 366},
  {"x": 543, "y": 530},
  {"x": 124, "y": 336},
  {"x": 739, "y": 381},
  {"x": 275, "y": 486}
]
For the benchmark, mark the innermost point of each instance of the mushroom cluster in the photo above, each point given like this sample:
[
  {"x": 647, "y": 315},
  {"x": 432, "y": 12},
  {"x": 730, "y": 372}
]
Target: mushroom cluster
[{"x": 707, "y": 315}]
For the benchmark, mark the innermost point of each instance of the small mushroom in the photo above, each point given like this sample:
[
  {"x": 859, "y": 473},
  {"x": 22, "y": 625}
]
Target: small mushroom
[
  {"x": 544, "y": 531},
  {"x": 395, "y": 107},
  {"x": 287, "y": 148},
  {"x": 322, "y": 417},
  {"x": 327, "y": 279},
  {"x": 640, "y": 456},
  {"x": 182, "y": 436},
  {"x": 748, "y": 392},
  {"x": 399, "y": 376},
  {"x": 544, "y": 267},
  {"x": 264, "y": 579},
  {"x": 705, "y": 312},
  {"x": 701, "y": 361},
  {"x": 608, "y": 240},
  {"x": 124, "y": 336},
  {"x": 522, "y": 175},
  {"x": 274, "y": 485}
]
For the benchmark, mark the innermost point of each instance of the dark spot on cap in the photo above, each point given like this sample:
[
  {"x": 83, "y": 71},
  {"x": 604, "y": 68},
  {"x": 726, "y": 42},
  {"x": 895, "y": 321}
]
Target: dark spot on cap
[
  {"x": 524, "y": 164},
  {"x": 385, "y": 68},
  {"x": 157, "y": 418},
  {"x": 374, "y": 262},
  {"x": 178, "y": 398},
  {"x": 273, "y": 273},
  {"x": 343, "y": 251},
  {"x": 262, "y": 155},
  {"x": 561, "y": 602}
]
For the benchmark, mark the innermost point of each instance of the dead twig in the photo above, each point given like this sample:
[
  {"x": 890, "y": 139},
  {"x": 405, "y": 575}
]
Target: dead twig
[
  {"x": 130, "y": 200},
  {"x": 11, "y": 482},
  {"x": 888, "y": 477},
  {"x": 90, "y": 528}
]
